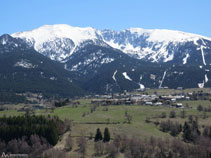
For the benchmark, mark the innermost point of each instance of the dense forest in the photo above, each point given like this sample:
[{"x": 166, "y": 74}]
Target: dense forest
[
  {"x": 29, "y": 134},
  {"x": 7, "y": 97}
]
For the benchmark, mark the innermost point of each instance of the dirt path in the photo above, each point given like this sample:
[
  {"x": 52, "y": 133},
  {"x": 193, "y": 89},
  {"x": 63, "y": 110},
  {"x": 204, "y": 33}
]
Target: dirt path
[{"x": 61, "y": 143}]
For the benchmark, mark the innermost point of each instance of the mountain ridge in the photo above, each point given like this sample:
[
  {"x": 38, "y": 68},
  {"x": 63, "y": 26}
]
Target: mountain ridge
[
  {"x": 137, "y": 42},
  {"x": 113, "y": 61},
  {"x": 25, "y": 70}
]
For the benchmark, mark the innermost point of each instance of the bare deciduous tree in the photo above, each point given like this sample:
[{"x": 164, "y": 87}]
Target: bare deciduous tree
[
  {"x": 54, "y": 153},
  {"x": 99, "y": 148},
  {"x": 82, "y": 146},
  {"x": 129, "y": 118},
  {"x": 68, "y": 124},
  {"x": 112, "y": 150},
  {"x": 69, "y": 143}
]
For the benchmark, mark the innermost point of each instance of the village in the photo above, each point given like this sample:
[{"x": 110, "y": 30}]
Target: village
[
  {"x": 148, "y": 113},
  {"x": 126, "y": 98},
  {"x": 141, "y": 99}
]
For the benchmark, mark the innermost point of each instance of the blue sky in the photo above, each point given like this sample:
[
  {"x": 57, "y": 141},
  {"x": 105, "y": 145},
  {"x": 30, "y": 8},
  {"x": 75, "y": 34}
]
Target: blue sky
[{"x": 185, "y": 15}]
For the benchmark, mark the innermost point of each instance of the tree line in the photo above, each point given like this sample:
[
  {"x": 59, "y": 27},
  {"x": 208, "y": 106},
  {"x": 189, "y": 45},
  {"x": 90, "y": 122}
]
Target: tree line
[
  {"x": 8, "y": 97},
  {"x": 189, "y": 131},
  {"x": 18, "y": 126}
]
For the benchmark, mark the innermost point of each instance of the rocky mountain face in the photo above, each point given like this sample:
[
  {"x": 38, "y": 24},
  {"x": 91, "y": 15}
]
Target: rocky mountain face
[
  {"x": 59, "y": 42},
  {"x": 155, "y": 45},
  {"x": 25, "y": 70},
  {"x": 111, "y": 61}
]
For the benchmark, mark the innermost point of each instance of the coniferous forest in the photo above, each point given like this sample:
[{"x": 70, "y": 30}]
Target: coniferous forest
[{"x": 29, "y": 134}]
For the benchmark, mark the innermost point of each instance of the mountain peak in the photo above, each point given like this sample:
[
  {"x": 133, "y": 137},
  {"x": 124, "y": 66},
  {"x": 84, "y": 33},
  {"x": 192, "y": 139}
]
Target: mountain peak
[
  {"x": 59, "y": 41},
  {"x": 164, "y": 35},
  {"x": 180, "y": 59},
  {"x": 7, "y": 43},
  {"x": 50, "y": 32},
  {"x": 4, "y": 38}
]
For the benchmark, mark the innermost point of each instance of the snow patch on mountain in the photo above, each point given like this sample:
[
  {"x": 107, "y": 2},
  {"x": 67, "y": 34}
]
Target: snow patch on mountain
[
  {"x": 3, "y": 42},
  {"x": 113, "y": 44},
  {"x": 75, "y": 67},
  {"x": 168, "y": 57},
  {"x": 160, "y": 52},
  {"x": 126, "y": 76},
  {"x": 164, "y": 74},
  {"x": 203, "y": 42},
  {"x": 185, "y": 58},
  {"x": 53, "y": 78},
  {"x": 88, "y": 61},
  {"x": 202, "y": 54},
  {"x": 195, "y": 41},
  {"x": 65, "y": 67},
  {"x": 142, "y": 87},
  {"x": 114, "y": 76},
  {"x": 141, "y": 77},
  {"x": 92, "y": 60},
  {"x": 107, "y": 60},
  {"x": 201, "y": 85},
  {"x": 126, "y": 48},
  {"x": 206, "y": 78},
  {"x": 25, "y": 64}
]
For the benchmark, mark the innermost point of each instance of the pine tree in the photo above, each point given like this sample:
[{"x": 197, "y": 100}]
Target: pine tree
[
  {"x": 172, "y": 114},
  {"x": 187, "y": 132},
  {"x": 183, "y": 113},
  {"x": 106, "y": 135},
  {"x": 210, "y": 133},
  {"x": 98, "y": 135}
]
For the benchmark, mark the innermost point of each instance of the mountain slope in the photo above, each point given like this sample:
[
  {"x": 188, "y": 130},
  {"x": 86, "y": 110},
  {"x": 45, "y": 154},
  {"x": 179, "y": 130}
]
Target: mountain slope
[
  {"x": 101, "y": 69},
  {"x": 23, "y": 69},
  {"x": 58, "y": 42},
  {"x": 156, "y": 45},
  {"x": 94, "y": 66},
  {"x": 104, "y": 61}
]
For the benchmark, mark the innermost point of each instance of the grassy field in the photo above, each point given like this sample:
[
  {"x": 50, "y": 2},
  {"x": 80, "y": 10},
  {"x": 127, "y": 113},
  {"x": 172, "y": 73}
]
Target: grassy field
[
  {"x": 113, "y": 117},
  {"x": 138, "y": 127}
]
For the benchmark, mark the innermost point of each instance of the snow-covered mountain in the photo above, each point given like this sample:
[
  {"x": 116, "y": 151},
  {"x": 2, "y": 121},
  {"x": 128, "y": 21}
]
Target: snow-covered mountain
[
  {"x": 59, "y": 42},
  {"x": 25, "y": 70},
  {"x": 106, "y": 60},
  {"x": 152, "y": 45}
]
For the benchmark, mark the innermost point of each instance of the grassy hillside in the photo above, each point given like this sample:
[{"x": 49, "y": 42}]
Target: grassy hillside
[
  {"x": 86, "y": 122},
  {"x": 114, "y": 117}
]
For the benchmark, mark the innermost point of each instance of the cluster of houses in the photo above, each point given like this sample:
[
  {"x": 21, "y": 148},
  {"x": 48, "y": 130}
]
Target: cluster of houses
[
  {"x": 123, "y": 99},
  {"x": 33, "y": 107},
  {"x": 140, "y": 99}
]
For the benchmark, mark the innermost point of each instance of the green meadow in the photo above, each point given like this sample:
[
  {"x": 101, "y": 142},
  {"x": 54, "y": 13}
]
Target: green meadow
[{"x": 113, "y": 117}]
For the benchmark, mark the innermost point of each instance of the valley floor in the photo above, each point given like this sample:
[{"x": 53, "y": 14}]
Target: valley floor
[{"x": 85, "y": 121}]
